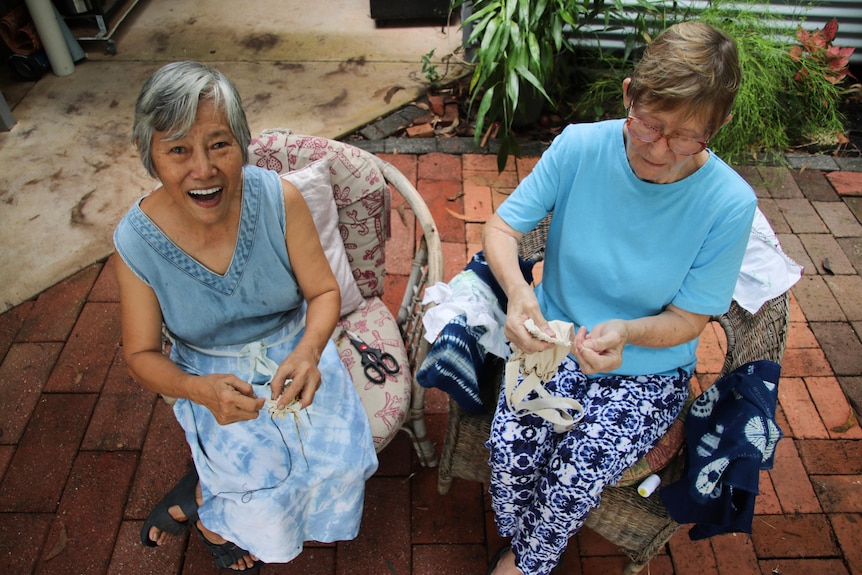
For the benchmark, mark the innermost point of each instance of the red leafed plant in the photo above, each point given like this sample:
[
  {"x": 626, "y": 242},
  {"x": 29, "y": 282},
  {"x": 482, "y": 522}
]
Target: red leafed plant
[{"x": 816, "y": 46}]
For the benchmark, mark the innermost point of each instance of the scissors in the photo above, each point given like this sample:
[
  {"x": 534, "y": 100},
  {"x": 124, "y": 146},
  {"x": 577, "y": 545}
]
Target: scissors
[{"x": 376, "y": 364}]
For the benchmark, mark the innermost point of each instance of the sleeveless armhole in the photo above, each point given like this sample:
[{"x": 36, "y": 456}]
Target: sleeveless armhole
[{"x": 125, "y": 235}]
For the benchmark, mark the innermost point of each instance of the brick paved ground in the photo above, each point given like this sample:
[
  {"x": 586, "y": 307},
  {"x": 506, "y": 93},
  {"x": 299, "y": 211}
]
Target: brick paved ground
[{"x": 85, "y": 452}]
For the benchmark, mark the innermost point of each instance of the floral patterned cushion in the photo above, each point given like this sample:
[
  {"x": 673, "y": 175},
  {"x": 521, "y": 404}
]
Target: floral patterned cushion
[
  {"x": 361, "y": 195},
  {"x": 387, "y": 404}
]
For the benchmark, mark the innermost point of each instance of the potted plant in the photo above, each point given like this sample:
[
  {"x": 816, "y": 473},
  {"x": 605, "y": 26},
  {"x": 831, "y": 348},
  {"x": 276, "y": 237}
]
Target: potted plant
[
  {"x": 528, "y": 47},
  {"x": 516, "y": 44}
]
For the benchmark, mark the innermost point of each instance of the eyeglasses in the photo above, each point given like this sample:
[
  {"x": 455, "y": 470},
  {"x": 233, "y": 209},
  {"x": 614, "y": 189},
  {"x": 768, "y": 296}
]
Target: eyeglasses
[{"x": 680, "y": 145}]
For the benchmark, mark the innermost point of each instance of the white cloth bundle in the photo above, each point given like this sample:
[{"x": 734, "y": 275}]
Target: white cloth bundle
[{"x": 767, "y": 272}]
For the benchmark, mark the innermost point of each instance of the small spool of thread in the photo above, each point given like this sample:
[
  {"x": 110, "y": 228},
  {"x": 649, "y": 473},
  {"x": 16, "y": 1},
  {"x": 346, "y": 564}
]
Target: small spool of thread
[{"x": 648, "y": 485}]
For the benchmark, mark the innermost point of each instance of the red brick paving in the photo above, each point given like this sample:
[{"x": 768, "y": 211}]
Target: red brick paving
[
  {"x": 846, "y": 183},
  {"x": 85, "y": 452}
]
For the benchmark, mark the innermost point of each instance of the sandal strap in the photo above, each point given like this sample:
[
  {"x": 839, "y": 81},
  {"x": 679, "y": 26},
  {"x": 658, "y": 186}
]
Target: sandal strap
[
  {"x": 225, "y": 554},
  {"x": 181, "y": 495},
  {"x": 189, "y": 505}
]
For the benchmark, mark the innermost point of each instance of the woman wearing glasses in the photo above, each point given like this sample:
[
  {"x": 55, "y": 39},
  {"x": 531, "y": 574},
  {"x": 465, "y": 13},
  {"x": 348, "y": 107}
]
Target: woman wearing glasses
[{"x": 647, "y": 237}]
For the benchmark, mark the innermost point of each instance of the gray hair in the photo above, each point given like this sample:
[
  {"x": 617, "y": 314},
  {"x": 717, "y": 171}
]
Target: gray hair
[{"x": 168, "y": 102}]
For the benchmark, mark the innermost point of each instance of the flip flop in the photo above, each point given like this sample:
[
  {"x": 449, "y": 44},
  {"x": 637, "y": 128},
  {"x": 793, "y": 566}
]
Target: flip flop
[
  {"x": 182, "y": 495},
  {"x": 226, "y": 554}
]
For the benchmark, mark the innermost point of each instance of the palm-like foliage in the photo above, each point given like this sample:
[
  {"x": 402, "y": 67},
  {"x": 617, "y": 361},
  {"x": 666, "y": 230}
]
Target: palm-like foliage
[{"x": 517, "y": 43}]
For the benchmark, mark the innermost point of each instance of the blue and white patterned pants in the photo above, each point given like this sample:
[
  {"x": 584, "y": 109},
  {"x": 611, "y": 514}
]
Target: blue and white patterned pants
[{"x": 544, "y": 484}]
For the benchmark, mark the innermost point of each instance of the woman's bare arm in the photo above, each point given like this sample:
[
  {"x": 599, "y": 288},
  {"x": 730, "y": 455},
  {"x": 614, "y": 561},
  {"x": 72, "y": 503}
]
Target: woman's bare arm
[
  {"x": 320, "y": 289},
  {"x": 229, "y": 398},
  {"x": 500, "y": 243}
]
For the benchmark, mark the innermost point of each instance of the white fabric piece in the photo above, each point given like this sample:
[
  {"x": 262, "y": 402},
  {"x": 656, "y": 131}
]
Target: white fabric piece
[
  {"x": 467, "y": 294},
  {"x": 558, "y": 340},
  {"x": 252, "y": 357},
  {"x": 537, "y": 368},
  {"x": 766, "y": 272}
]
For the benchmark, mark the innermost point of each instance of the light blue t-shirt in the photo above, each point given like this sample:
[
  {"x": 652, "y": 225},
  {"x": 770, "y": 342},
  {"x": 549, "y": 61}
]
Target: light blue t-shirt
[{"x": 620, "y": 247}]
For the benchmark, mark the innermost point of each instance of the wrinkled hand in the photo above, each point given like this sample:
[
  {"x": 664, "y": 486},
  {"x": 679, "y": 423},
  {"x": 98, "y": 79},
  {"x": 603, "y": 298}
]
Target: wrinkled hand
[
  {"x": 230, "y": 399},
  {"x": 298, "y": 377},
  {"x": 601, "y": 350},
  {"x": 523, "y": 305}
]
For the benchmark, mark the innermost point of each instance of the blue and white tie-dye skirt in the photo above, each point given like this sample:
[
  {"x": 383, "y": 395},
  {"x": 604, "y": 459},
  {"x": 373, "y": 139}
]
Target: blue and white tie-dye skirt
[{"x": 273, "y": 483}]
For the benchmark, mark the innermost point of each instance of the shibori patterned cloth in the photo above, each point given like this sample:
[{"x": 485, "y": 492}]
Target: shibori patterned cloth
[
  {"x": 731, "y": 434},
  {"x": 466, "y": 331}
]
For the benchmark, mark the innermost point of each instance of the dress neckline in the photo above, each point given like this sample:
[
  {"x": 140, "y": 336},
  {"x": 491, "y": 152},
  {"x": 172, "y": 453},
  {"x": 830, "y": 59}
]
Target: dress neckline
[{"x": 225, "y": 283}]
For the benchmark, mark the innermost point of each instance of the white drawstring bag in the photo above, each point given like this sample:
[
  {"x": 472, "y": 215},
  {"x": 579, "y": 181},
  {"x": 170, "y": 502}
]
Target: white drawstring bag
[{"x": 538, "y": 368}]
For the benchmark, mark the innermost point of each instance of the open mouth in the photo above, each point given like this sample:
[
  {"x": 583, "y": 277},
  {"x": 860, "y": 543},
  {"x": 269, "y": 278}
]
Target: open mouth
[{"x": 208, "y": 196}]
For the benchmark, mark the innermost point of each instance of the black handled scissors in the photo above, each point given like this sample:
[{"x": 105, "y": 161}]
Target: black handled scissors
[{"x": 376, "y": 364}]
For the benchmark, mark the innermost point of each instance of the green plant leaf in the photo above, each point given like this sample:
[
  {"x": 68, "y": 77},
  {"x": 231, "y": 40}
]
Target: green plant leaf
[
  {"x": 490, "y": 41},
  {"x": 511, "y": 7},
  {"x": 515, "y": 34},
  {"x": 479, "y": 14},
  {"x": 539, "y": 10},
  {"x": 480, "y": 28},
  {"x": 557, "y": 32},
  {"x": 482, "y": 114},
  {"x": 529, "y": 77},
  {"x": 508, "y": 146},
  {"x": 535, "y": 51},
  {"x": 513, "y": 88}
]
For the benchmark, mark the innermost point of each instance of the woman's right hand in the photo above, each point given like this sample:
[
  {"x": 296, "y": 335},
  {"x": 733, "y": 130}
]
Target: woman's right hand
[
  {"x": 229, "y": 398},
  {"x": 500, "y": 242},
  {"x": 522, "y": 306}
]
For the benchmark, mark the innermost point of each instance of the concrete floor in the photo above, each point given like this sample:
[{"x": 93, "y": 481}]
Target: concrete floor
[{"x": 67, "y": 169}]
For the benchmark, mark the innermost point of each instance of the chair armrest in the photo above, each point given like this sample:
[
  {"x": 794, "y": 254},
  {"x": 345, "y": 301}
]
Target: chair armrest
[{"x": 751, "y": 337}]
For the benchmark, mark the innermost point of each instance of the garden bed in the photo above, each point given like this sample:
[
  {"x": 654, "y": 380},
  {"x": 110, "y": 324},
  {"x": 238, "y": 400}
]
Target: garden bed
[{"x": 446, "y": 113}]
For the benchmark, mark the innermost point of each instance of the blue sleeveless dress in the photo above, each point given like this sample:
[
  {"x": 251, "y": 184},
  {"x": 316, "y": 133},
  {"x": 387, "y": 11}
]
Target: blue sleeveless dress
[{"x": 272, "y": 483}]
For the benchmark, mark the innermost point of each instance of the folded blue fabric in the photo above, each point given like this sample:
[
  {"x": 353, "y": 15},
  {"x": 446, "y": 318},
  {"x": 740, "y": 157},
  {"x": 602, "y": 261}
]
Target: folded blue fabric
[
  {"x": 456, "y": 362},
  {"x": 731, "y": 435},
  {"x": 479, "y": 265}
]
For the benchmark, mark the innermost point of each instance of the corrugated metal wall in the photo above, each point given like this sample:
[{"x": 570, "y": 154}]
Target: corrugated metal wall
[{"x": 812, "y": 14}]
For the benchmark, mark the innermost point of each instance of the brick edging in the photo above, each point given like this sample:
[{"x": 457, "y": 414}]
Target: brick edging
[{"x": 465, "y": 145}]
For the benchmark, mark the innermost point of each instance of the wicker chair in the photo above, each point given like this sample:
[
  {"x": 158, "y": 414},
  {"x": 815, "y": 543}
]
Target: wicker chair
[
  {"x": 639, "y": 526},
  {"x": 367, "y": 191}
]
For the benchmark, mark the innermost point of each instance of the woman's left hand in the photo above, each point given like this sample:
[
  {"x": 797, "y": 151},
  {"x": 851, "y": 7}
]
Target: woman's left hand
[
  {"x": 601, "y": 350},
  {"x": 296, "y": 378}
]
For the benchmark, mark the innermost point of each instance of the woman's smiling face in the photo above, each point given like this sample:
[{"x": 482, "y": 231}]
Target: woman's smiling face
[{"x": 202, "y": 171}]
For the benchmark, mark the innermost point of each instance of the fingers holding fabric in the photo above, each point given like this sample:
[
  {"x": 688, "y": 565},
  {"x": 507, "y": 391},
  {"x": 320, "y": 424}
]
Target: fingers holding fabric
[{"x": 600, "y": 350}]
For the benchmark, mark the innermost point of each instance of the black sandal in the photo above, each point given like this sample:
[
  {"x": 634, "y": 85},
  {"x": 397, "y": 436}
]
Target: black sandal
[
  {"x": 226, "y": 554},
  {"x": 183, "y": 496}
]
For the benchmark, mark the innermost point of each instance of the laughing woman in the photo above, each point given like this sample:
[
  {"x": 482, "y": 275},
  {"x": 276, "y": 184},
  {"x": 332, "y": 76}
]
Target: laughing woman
[{"x": 223, "y": 255}]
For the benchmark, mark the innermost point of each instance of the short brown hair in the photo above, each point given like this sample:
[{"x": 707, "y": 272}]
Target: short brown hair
[{"x": 690, "y": 66}]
